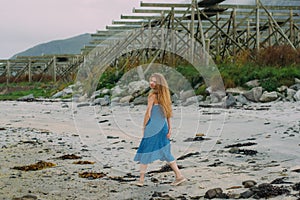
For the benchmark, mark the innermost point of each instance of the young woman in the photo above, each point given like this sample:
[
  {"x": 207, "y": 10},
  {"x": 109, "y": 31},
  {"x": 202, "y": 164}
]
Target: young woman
[{"x": 155, "y": 144}]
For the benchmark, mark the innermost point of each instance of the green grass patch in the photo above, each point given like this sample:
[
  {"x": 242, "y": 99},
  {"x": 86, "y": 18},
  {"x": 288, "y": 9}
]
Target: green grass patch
[
  {"x": 14, "y": 91},
  {"x": 270, "y": 77}
]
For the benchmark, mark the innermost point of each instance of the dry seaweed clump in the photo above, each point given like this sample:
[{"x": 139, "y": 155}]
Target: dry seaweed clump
[
  {"x": 37, "y": 166},
  {"x": 83, "y": 162},
  {"x": 69, "y": 157},
  {"x": 91, "y": 175}
]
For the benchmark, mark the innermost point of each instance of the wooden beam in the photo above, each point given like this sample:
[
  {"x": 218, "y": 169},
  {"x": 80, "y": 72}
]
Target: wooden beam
[
  {"x": 178, "y": 5},
  {"x": 286, "y": 7},
  {"x": 140, "y": 17},
  {"x": 122, "y": 27},
  {"x": 156, "y": 11},
  {"x": 130, "y": 22}
]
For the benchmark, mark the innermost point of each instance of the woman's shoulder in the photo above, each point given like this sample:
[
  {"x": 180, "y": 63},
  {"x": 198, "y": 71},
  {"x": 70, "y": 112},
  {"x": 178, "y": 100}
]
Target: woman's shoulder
[{"x": 152, "y": 95}]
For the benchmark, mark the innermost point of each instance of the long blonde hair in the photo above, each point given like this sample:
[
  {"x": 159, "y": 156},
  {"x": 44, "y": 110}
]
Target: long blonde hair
[{"x": 163, "y": 94}]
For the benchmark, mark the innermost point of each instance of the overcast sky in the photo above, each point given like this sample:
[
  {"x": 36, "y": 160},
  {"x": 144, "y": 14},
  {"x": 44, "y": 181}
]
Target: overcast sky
[{"x": 26, "y": 23}]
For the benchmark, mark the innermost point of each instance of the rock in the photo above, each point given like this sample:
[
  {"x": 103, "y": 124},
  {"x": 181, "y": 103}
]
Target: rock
[
  {"x": 247, "y": 194},
  {"x": 249, "y": 183},
  {"x": 254, "y": 94},
  {"x": 295, "y": 86},
  {"x": 64, "y": 105},
  {"x": 68, "y": 91},
  {"x": 290, "y": 93},
  {"x": 215, "y": 193},
  {"x": 58, "y": 94},
  {"x": 296, "y": 186},
  {"x": 237, "y": 90},
  {"x": 105, "y": 101},
  {"x": 175, "y": 98},
  {"x": 191, "y": 100},
  {"x": 105, "y": 91},
  {"x": 137, "y": 87},
  {"x": 282, "y": 88},
  {"x": 29, "y": 97},
  {"x": 297, "y": 96},
  {"x": 126, "y": 99},
  {"x": 268, "y": 96},
  {"x": 184, "y": 95},
  {"x": 215, "y": 95},
  {"x": 117, "y": 91},
  {"x": 241, "y": 99},
  {"x": 253, "y": 83},
  {"x": 230, "y": 101},
  {"x": 115, "y": 99},
  {"x": 297, "y": 80},
  {"x": 141, "y": 100}
]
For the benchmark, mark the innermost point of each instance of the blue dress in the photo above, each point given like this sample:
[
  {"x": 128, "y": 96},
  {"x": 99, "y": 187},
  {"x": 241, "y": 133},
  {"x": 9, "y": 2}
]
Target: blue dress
[{"x": 155, "y": 145}]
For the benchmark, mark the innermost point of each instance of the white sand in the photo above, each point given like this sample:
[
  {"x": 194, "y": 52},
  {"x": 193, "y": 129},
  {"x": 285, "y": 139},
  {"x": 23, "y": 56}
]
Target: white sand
[{"x": 77, "y": 131}]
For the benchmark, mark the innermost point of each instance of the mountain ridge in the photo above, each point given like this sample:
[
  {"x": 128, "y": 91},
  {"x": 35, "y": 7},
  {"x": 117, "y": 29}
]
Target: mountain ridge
[{"x": 72, "y": 45}]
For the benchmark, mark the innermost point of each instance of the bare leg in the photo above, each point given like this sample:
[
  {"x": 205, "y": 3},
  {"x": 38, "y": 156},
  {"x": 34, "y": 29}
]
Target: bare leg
[
  {"x": 175, "y": 168},
  {"x": 179, "y": 177},
  {"x": 143, "y": 169}
]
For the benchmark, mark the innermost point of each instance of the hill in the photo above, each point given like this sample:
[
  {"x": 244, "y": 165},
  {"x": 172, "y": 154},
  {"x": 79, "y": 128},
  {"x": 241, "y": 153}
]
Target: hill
[{"x": 71, "y": 45}]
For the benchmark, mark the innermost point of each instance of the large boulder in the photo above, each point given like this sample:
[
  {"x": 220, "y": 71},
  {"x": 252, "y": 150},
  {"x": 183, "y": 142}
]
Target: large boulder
[
  {"x": 297, "y": 96},
  {"x": 141, "y": 100},
  {"x": 254, "y": 94},
  {"x": 295, "y": 86},
  {"x": 253, "y": 83},
  {"x": 229, "y": 101},
  {"x": 268, "y": 97},
  {"x": 117, "y": 91},
  {"x": 216, "y": 96},
  {"x": 136, "y": 88},
  {"x": 192, "y": 100},
  {"x": 290, "y": 93},
  {"x": 282, "y": 88},
  {"x": 29, "y": 97},
  {"x": 105, "y": 101},
  {"x": 242, "y": 100},
  {"x": 126, "y": 99},
  {"x": 184, "y": 95}
]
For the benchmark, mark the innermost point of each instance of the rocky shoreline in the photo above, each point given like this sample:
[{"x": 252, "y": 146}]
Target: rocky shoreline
[{"x": 86, "y": 152}]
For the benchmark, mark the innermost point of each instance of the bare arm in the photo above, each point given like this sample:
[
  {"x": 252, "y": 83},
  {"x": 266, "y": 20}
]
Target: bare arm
[
  {"x": 151, "y": 99},
  {"x": 169, "y": 127}
]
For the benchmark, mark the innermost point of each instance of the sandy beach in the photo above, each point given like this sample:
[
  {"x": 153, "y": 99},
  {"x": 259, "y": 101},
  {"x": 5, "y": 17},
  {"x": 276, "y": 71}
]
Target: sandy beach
[{"x": 257, "y": 142}]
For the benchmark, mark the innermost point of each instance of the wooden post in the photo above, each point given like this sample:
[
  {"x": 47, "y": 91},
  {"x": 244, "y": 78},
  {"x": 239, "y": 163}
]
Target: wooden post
[
  {"x": 29, "y": 71},
  {"x": 173, "y": 51},
  {"x": 234, "y": 31},
  {"x": 257, "y": 25},
  {"x": 248, "y": 34},
  {"x": 8, "y": 72},
  {"x": 217, "y": 31},
  {"x": 192, "y": 31},
  {"x": 270, "y": 30},
  {"x": 54, "y": 69},
  {"x": 207, "y": 49},
  {"x": 292, "y": 33}
]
